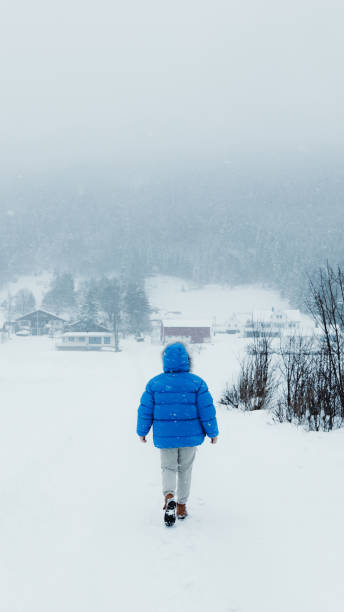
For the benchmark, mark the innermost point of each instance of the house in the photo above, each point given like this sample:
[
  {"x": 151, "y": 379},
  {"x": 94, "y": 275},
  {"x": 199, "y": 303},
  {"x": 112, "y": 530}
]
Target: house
[
  {"x": 85, "y": 341},
  {"x": 187, "y": 331},
  {"x": 272, "y": 323},
  {"x": 231, "y": 326},
  {"x": 293, "y": 319},
  {"x": 39, "y": 323},
  {"x": 85, "y": 335}
]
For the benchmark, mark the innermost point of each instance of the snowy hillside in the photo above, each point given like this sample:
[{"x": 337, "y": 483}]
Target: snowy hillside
[
  {"x": 38, "y": 284},
  {"x": 81, "y": 507},
  {"x": 171, "y": 295}
]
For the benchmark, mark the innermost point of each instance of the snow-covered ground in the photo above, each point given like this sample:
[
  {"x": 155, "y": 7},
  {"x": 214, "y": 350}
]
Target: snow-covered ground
[{"x": 81, "y": 508}]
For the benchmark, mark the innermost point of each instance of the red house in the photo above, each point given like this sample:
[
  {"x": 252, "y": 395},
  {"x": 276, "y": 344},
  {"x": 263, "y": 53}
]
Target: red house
[{"x": 194, "y": 332}]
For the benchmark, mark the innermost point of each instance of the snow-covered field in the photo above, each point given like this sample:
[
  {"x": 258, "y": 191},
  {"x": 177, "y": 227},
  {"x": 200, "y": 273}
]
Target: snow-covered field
[{"x": 81, "y": 508}]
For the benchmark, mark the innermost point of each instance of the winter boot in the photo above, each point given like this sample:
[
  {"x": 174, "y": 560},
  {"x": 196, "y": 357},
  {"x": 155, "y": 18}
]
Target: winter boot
[
  {"x": 181, "y": 511},
  {"x": 170, "y": 510}
]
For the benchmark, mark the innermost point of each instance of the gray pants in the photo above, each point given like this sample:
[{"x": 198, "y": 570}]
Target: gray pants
[{"x": 175, "y": 460}]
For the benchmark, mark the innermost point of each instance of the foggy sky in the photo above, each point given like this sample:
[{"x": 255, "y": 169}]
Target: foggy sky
[{"x": 153, "y": 80}]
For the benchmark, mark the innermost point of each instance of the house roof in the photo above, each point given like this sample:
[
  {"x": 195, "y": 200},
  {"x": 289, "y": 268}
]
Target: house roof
[
  {"x": 34, "y": 313},
  {"x": 86, "y": 326},
  {"x": 264, "y": 316}
]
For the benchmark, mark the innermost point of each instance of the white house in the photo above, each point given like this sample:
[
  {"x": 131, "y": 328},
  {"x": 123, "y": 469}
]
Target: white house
[
  {"x": 273, "y": 323},
  {"x": 87, "y": 341},
  {"x": 233, "y": 325}
]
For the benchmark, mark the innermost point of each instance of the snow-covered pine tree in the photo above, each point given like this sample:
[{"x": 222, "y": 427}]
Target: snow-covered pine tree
[
  {"x": 61, "y": 295},
  {"x": 89, "y": 308},
  {"x": 137, "y": 308},
  {"x": 23, "y": 302}
]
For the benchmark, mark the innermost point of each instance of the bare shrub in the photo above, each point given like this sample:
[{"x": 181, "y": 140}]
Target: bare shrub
[
  {"x": 231, "y": 396},
  {"x": 308, "y": 395},
  {"x": 255, "y": 386},
  {"x": 312, "y": 370},
  {"x": 326, "y": 303},
  {"x": 296, "y": 368},
  {"x": 309, "y": 389}
]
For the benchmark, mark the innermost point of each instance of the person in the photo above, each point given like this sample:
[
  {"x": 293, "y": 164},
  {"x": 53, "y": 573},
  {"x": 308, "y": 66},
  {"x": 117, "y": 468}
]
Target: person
[{"x": 179, "y": 406}]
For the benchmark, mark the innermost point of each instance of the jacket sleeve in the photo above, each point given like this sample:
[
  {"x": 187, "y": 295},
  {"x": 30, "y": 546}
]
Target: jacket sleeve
[
  {"x": 206, "y": 411},
  {"x": 145, "y": 412}
]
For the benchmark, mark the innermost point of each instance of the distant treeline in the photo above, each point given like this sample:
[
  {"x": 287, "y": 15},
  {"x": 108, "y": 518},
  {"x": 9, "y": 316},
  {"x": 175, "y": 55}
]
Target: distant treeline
[{"x": 242, "y": 222}]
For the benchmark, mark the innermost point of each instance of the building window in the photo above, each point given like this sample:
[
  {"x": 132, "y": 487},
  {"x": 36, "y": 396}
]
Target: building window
[
  {"x": 95, "y": 340},
  {"x": 107, "y": 340},
  {"x": 71, "y": 338},
  {"x": 81, "y": 339}
]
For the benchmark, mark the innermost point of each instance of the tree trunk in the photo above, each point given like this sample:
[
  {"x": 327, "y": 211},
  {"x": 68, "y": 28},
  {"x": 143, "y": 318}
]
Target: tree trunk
[{"x": 115, "y": 331}]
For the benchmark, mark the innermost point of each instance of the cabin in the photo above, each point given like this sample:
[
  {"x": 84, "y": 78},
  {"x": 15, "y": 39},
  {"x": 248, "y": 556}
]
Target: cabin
[
  {"x": 39, "y": 323},
  {"x": 193, "y": 332},
  {"x": 85, "y": 341}
]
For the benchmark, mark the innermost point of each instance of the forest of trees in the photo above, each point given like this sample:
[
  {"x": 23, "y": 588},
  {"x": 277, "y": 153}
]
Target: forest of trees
[{"x": 240, "y": 223}]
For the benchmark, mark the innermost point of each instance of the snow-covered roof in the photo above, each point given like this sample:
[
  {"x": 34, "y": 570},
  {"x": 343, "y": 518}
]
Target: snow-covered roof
[
  {"x": 182, "y": 323},
  {"x": 83, "y": 325},
  {"x": 263, "y": 316},
  {"x": 274, "y": 316},
  {"x": 35, "y": 312}
]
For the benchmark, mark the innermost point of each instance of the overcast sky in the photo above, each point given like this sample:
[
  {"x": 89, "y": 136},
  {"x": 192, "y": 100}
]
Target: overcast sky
[{"x": 99, "y": 81}]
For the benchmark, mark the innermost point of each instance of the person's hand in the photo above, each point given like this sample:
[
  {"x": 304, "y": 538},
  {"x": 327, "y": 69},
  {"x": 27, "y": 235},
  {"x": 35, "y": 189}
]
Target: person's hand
[
  {"x": 214, "y": 440},
  {"x": 143, "y": 438}
]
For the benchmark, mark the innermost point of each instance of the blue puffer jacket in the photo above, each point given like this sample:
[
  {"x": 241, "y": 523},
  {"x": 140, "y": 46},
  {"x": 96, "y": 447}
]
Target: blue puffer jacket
[{"x": 177, "y": 403}]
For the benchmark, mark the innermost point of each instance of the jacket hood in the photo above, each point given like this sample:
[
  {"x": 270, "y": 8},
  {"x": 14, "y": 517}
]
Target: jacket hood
[{"x": 176, "y": 358}]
